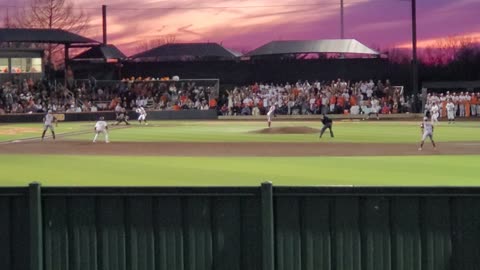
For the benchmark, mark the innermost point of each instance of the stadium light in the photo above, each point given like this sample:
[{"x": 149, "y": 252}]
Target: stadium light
[
  {"x": 342, "y": 29},
  {"x": 414, "y": 48}
]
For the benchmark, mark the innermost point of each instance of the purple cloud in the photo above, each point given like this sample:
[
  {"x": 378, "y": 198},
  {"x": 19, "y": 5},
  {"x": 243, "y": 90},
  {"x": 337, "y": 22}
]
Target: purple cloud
[{"x": 380, "y": 22}]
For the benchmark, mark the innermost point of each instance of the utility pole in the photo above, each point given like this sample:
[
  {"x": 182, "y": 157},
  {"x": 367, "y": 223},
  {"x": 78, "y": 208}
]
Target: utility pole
[
  {"x": 104, "y": 24},
  {"x": 414, "y": 48}
]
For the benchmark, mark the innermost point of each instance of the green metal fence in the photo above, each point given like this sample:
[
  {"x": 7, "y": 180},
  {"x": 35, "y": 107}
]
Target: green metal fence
[{"x": 283, "y": 228}]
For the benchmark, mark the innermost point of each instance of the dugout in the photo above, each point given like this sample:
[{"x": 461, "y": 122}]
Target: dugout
[{"x": 443, "y": 86}]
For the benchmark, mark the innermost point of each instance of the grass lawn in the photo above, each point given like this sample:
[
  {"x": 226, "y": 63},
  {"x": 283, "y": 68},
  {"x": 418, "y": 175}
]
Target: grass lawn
[
  {"x": 208, "y": 131},
  {"x": 54, "y": 170},
  {"x": 244, "y": 171}
]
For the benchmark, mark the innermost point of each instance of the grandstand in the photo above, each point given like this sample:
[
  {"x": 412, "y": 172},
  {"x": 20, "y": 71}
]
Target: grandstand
[
  {"x": 187, "y": 52},
  {"x": 326, "y": 47}
]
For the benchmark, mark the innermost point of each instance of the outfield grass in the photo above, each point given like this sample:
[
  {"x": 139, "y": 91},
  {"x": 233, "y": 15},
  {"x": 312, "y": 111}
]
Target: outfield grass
[
  {"x": 54, "y": 170},
  {"x": 245, "y": 171},
  {"x": 209, "y": 131}
]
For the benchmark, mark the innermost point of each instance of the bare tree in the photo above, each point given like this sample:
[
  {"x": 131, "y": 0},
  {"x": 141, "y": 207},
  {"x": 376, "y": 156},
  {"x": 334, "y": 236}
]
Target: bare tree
[
  {"x": 446, "y": 50},
  {"x": 399, "y": 56},
  {"x": 53, "y": 14},
  {"x": 154, "y": 43},
  {"x": 8, "y": 22},
  {"x": 169, "y": 39}
]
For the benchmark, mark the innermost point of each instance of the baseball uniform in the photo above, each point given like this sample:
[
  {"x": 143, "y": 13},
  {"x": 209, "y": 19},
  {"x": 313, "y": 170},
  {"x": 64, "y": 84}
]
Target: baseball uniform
[
  {"x": 49, "y": 119},
  {"x": 270, "y": 113},
  {"x": 450, "y": 111},
  {"x": 427, "y": 127},
  {"x": 435, "y": 113},
  {"x": 142, "y": 115},
  {"x": 101, "y": 127}
]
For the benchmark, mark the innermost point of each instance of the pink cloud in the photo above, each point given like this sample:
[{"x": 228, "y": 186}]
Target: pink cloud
[{"x": 380, "y": 22}]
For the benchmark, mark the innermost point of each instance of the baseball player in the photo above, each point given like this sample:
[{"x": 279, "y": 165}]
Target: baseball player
[
  {"x": 48, "y": 121},
  {"x": 327, "y": 123},
  {"x": 435, "y": 113},
  {"x": 101, "y": 127},
  {"x": 461, "y": 104},
  {"x": 455, "y": 100},
  {"x": 375, "y": 108},
  {"x": 122, "y": 116},
  {"x": 473, "y": 106},
  {"x": 142, "y": 115},
  {"x": 271, "y": 112},
  {"x": 450, "y": 111},
  {"x": 427, "y": 130}
]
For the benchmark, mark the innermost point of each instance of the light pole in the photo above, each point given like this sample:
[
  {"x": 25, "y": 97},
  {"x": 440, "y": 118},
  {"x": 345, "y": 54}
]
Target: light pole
[
  {"x": 342, "y": 32},
  {"x": 414, "y": 48},
  {"x": 104, "y": 24}
]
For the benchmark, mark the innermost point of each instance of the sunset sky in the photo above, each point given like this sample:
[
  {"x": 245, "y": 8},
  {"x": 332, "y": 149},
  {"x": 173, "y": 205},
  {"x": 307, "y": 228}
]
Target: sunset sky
[{"x": 246, "y": 24}]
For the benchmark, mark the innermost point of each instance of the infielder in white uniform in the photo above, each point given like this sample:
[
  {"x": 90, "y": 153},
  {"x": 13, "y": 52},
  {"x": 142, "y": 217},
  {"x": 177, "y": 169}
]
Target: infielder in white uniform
[
  {"x": 269, "y": 115},
  {"x": 375, "y": 108},
  {"x": 48, "y": 121},
  {"x": 450, "y": 111},
  {"x": 435, "y": 113},
  {"x": 142, "y": 115},
  {"x": 427, "y": 130},
  {"x": 101, "y": 127}
]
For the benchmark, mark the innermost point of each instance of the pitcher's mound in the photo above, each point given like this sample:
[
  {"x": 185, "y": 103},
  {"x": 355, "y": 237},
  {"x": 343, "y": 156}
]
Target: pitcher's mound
[{"x": 287, "y": 130}]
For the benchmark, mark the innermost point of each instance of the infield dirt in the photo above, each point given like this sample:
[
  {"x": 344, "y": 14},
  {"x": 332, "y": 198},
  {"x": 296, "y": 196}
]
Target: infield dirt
[
  {"x": 287, "y": 130},
  {"x": 65, "y": 147}
]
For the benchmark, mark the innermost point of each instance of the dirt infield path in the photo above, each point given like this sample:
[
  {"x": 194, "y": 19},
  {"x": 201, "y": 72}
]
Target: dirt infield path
[{"x": 234, "y": 149}]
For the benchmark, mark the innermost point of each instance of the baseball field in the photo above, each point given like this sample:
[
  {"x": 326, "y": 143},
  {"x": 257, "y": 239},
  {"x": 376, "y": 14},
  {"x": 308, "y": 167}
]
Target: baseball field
[{"x": 241, "y": 153}]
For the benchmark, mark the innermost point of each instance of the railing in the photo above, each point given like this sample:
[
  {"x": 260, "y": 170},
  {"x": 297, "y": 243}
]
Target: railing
[{"x": 71, "y": 95}]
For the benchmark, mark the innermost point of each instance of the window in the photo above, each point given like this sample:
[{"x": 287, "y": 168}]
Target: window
[
  {"x": 26, "y": 65},
  {"x": 3, "y": 65},
  {"x": 36, "y": 65}
]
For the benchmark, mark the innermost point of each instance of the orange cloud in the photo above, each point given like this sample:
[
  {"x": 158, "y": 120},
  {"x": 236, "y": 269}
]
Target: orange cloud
[
  {"x": 246, "y": 24},
  {"x": 434, "y": 42},
  {"x": 203, "y": 20}
]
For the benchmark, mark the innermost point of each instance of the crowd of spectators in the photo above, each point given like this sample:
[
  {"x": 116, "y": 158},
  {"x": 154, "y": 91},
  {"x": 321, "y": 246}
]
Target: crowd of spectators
[
  {"x": 338, "y": 97},
  {"x": 303, "y": 97},
  {"x": 31, "y": 96},
  {"x": 88, "y": 96}
]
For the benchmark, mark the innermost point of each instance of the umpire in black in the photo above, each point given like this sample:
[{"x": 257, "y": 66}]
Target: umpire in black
[{"x": 327, "y": 123}]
